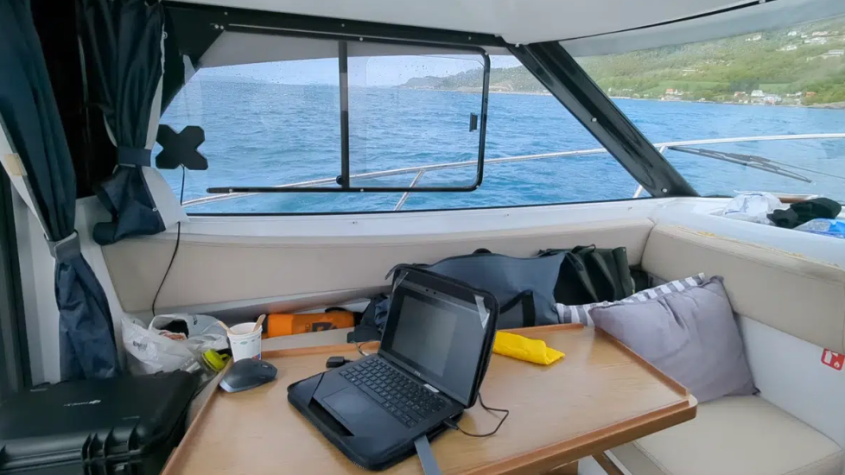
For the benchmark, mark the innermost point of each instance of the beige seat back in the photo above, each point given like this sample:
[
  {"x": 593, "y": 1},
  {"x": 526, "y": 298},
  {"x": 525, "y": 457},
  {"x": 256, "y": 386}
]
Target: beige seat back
[
  {"x": 787, "y": 291},
  {"x": 220, "y": 269}
]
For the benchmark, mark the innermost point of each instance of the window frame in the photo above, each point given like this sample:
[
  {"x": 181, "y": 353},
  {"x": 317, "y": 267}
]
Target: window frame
[
  {"x": 194, "y": 28},
  {"x": 344, "y": 179},
  {"x": 327, "y": 30}
]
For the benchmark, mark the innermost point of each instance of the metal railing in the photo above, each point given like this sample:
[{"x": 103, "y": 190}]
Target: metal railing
[{"x": 422, "y": 170}]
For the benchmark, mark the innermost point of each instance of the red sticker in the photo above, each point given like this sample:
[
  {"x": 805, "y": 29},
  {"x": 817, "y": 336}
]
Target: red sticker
[{"x": 834, "y": 360}]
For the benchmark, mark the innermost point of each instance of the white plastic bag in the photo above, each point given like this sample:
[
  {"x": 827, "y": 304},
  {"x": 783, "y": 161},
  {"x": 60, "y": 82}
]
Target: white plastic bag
[
  {"x": 752, "y": 207},
  {"x": 150, "y": 351}
]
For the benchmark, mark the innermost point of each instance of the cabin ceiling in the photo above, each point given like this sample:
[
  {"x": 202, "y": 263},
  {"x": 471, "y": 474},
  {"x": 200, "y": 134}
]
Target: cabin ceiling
[
  {"x": 760, "y": 17},
  {"x": 530, "y": 21}
]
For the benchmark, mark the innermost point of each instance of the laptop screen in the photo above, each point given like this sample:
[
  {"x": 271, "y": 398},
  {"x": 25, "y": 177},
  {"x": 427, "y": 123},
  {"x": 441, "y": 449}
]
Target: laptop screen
[{"x": 437, "y": 336}]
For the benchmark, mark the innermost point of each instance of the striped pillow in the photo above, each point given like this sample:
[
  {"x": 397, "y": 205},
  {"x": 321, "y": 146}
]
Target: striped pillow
[{"x": 581, "y": 313}]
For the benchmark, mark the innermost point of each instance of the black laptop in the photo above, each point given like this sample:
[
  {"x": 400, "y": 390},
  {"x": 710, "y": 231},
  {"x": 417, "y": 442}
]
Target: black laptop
[{"x": 429, "y": 367}]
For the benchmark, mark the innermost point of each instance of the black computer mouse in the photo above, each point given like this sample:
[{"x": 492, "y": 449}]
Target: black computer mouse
[{"x": 247, "y": 374}]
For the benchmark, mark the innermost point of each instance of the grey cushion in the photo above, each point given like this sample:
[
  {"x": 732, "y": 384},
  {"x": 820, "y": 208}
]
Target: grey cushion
[{"x": 689, "y": 335}]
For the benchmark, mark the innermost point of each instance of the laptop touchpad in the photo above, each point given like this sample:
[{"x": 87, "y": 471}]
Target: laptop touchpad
[{"x": 355, "y": 409}]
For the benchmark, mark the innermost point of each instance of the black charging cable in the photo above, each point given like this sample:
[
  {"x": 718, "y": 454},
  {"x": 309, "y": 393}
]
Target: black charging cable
[
  {"x": 175, "y": 248},
  {"x": 360, "y": 351},
  {"x": 453, "y": 425},
  {"x": 338, "y": 361}
]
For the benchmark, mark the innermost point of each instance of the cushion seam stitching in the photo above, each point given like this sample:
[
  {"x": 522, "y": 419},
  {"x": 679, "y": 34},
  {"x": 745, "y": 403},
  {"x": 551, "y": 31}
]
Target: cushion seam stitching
[{"x": 815, "y": 463}]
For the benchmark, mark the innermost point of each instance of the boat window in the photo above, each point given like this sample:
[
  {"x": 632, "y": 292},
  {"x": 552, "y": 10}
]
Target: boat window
[
  {"x": 275, "y": 123},
  {"x": 335, "y": 116},
  {"x": 764, "y": 111},
  {"x": 395, "y": 122}
]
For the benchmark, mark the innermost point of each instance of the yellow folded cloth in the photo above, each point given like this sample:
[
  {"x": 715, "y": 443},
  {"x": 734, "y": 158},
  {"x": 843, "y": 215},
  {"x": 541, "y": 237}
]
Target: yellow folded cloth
[{"x": 526, "y": 349}]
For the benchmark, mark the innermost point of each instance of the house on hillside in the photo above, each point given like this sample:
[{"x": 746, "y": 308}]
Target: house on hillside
[
  {"x": 788, "y": 48},
  {"x": 739, "y": 94},
  {"x": 821, "y": 33},
  {"x": 758, "y": 93},
  {"x": 755, "y": 38},
  {"x": 816, "y": 41},
  {"x": 834, "y": 53},
  {"x": 672, "y": 95},
  {"x": 792, "y": 33},
  {"x": 772, "y": 99}
]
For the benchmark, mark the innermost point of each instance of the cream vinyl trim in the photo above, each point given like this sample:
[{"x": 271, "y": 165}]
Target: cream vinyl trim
[
  {"x": 215, "y": 269},
  {"x": 787, "y": 291},
  {"x": 743, "y": 435}
]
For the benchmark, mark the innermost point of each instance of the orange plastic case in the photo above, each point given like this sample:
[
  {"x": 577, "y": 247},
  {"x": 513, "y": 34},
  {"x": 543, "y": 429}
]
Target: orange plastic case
[{"x": 282, "y": 324}]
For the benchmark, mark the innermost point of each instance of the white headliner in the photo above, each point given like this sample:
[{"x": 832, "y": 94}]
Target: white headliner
[
  {"x": 529, "y": 21},
  {"x": 767, "y": 16},
  {"x": 517, "y": 21}
]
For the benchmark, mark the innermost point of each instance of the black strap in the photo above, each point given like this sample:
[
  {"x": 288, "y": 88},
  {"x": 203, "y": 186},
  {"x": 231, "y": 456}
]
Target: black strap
[
  {"x": 580, "y": 269},
  {"x": 529, "y": 313},
  {"x": 623, "y": 272},
  {"x": 137, "y": 156},
  {"x": 429, "y": 463},
  {"x": 601, "y": 265},
  {"x": 583, "y": 249}
]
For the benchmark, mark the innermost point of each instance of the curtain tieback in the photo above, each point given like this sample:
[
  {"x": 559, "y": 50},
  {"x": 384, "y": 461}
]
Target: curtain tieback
[
  {"x": 136, "y": 156},
  {"x": 65, "y": 249}
]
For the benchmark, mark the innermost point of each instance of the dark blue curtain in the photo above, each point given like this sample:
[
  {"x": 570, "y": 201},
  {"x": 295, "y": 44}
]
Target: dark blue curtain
[
  {"x": 123, "y": 43},
  {"x": 31, "y": 121}
]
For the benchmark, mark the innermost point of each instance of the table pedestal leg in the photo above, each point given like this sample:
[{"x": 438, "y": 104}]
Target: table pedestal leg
[
  {"x": 568, "y": 469},
  {"x": 607, "y": 464}
]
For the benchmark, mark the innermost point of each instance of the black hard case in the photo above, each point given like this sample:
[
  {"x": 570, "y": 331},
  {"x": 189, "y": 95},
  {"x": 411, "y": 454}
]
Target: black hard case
[{"x": 127, "y": 425}]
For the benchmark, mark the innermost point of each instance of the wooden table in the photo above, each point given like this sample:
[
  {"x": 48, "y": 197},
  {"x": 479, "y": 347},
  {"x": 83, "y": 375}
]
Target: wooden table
[{"x": 600, "y": 396}]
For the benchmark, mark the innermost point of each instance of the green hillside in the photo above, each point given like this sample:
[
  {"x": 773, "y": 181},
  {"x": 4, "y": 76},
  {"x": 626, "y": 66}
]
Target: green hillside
[{"x": 806, "y": 59}]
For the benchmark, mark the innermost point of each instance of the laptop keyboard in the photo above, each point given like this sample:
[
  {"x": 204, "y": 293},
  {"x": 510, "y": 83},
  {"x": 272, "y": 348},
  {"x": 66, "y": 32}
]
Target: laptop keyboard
[{"x": 407, "y": 400}]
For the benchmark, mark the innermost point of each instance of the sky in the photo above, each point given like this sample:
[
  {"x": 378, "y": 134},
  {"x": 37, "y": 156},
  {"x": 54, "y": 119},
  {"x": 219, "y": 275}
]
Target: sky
[{"x": 378, "y": 71}]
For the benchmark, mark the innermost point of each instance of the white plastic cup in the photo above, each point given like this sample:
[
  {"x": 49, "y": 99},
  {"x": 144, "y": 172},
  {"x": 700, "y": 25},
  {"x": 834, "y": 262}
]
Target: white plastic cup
[{"x": 245, "y": 343}]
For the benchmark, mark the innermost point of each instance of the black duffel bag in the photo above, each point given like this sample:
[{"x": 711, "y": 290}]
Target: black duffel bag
[{"x": 590, "y": 275}]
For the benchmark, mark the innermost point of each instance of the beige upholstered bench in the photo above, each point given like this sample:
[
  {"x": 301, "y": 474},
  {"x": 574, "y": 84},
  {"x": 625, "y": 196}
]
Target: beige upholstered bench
[{"x": 789, "y": 303}]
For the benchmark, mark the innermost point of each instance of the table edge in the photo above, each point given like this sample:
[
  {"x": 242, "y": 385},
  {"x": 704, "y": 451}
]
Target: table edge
[
  {"x": 549, "y": 457},
  {"x": 538, "y": 460}
]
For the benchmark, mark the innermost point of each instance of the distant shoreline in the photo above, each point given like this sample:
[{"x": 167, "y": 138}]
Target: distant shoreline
[
  {"x": 829, "y": 106},
  {"x": 516, "y": 93}
]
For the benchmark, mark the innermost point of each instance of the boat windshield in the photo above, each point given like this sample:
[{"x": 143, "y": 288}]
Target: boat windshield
[
  {"x": 777, "y": 85},
  {"x": 764, "y": 111}
]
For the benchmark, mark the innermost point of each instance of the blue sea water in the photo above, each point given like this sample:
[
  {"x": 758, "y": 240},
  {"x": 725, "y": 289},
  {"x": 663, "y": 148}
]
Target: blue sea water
[{"x": 267, "y": 134}]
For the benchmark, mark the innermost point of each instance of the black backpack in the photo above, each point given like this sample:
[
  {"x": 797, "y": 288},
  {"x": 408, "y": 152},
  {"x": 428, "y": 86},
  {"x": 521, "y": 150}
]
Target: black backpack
[{"x": 590, "y": 275}]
